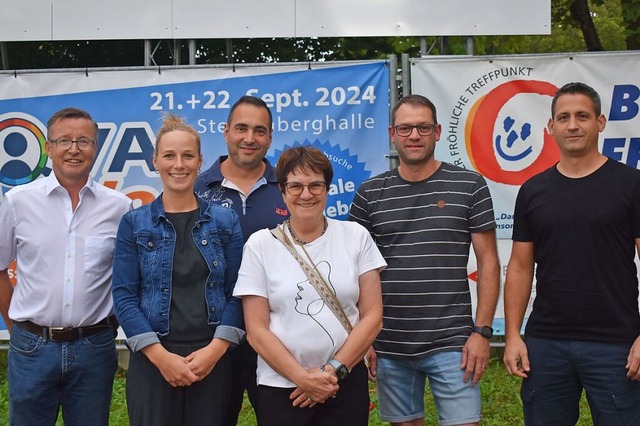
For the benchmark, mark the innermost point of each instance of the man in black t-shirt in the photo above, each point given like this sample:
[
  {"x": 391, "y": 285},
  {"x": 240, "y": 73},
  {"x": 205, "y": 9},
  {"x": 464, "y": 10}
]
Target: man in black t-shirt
[{"x": 579, "y": 224}]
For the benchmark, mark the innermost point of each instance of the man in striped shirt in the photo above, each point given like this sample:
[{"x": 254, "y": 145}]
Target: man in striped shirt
[{"x": 424, "y": 215}]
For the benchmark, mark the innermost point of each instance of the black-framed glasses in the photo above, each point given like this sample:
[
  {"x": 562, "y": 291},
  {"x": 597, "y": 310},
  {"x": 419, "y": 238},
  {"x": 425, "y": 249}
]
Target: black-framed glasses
[
  {"x": 296, "y": 188},
  {"x": 424, "y": 129},
  {"x": 65, "y": 143}
]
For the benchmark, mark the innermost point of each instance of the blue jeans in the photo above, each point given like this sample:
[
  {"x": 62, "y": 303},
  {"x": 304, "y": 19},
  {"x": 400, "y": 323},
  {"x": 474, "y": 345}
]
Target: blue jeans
[
  {"x": 401, "y": 385},
  {"x": 559, "y": 372},
  {"x": 44, "y": 375}
]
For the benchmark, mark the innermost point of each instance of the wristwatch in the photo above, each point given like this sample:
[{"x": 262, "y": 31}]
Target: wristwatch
[
  {"x": 341, "y": 370},
  {"x": 484, "y": 331}
]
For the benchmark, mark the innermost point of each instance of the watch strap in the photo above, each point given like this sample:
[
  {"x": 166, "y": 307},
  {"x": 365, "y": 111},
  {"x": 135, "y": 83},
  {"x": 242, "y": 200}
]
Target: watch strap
[
  {"x": 340, "y": 369},
  {"x": 484, "y": 331},
  {"x": 335, "y": 363}
]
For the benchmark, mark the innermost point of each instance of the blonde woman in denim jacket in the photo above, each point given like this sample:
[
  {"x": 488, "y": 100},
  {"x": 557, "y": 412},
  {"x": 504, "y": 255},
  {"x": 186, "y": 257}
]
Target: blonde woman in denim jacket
[{"x": 176, "y": 263}]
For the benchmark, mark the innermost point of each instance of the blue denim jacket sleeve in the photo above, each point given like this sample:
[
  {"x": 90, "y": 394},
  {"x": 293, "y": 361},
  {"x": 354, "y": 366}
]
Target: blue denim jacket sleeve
[
  {"x": 231, "y": 325},
  {"x": 125, "y": 289}
]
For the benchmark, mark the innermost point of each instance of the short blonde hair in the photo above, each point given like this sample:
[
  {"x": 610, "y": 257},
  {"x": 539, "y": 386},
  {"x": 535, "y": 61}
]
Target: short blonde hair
[{"x": 172, "y": 123}]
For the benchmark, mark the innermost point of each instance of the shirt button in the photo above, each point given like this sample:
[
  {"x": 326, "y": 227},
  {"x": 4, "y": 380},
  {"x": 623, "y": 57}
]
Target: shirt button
[
  {"x": 210, "y": 285},
  {"x": 150, "y": 244},
  {"x": 213, "y": 309},
  {"x": 204, "y": 242},
  {"x": 215, "y": 263}
]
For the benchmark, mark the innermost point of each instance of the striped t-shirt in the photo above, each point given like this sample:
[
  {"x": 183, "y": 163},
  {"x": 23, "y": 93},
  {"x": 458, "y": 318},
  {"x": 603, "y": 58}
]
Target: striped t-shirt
[{"x": 423, "y": 230}]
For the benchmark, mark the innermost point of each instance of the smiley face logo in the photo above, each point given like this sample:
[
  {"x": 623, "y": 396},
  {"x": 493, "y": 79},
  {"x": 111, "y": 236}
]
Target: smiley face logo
[
  {"x": 512, "y": 135},
  {"x": 515, "y": 138}
]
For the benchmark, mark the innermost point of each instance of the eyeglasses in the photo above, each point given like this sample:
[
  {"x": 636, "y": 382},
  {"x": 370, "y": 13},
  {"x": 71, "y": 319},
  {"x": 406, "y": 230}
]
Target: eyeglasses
[
  {"x": 406, "y": 130},
  {"x": 296, "y": 188},
  {"x": 65, "y": 143}
]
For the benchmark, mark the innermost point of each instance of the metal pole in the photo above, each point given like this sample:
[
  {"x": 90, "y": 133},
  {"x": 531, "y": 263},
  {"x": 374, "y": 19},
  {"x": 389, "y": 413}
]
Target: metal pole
[
  {"x": 444, "y": 48},
  {"x": 4, "y": 54},
  {"x": 469, "y": 45},
  {"x": 229, "y": 43},
  {"x": 406, "y": 75},
  {"x": 192, "y": 52},
  {"x": 393, "y": 80},
  {"x": 147, "y": 53},
  {"x": 393, "y": 99},
  {"x": 176, "y": 52}
]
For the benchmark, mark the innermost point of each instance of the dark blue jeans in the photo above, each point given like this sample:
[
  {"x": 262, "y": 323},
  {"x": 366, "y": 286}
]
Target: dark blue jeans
[
  {"x": 560, "y": 370},
  {"x": 45, "y": 375}
]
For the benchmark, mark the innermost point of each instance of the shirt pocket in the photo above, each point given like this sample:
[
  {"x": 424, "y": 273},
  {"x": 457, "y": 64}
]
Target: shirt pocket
[
  {"x": 149, "y": 250},
  {"x": 150, "y": 261},
  {"x": 98, "y": 254},
  {"x": 216, "y": 241}
]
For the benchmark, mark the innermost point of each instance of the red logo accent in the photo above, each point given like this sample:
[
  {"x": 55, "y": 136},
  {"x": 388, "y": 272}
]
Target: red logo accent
[
  {"x": 479, "y": 133},
  {"x": 281, "y": 212},
  {"x": 473, "y": 276}
]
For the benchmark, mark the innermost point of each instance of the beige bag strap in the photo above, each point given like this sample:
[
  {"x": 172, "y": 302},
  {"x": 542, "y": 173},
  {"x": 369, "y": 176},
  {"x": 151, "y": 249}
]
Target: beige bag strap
[{"x": 315, "y": 278}]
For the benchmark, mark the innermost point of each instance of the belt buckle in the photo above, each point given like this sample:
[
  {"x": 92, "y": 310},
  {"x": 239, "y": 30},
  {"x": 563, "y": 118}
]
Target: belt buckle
[{"x": 52, "y": 330}]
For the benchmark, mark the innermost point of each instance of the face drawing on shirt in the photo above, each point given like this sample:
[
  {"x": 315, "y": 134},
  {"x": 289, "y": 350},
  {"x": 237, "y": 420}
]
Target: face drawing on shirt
[{"x": 309, "y": 303}]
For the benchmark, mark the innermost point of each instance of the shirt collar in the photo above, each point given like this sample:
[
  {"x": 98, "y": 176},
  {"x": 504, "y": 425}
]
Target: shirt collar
[
  {"x": 157, "y": 210},
  {"x": 52, "y": 183},
  {"x": 214, "y": 175}
]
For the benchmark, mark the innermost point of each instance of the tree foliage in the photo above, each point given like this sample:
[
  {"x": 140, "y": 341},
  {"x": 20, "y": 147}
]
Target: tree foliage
[{"x": 631, "y": 19}]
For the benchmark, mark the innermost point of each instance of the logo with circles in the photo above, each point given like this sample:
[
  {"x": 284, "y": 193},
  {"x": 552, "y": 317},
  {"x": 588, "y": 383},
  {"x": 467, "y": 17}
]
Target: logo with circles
[
  {"x": 501, "y": 145},
  {"x": 22, "y": 149}
]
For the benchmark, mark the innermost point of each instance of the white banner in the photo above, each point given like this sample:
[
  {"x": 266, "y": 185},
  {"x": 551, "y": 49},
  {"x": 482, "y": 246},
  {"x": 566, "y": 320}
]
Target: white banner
[
  {"x": 494, "y": 112},
  {"x": 222, "y": 19}
]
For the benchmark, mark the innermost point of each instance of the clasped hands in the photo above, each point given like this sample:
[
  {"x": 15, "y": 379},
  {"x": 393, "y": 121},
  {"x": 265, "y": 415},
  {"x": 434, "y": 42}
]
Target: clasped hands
[
  {"x": 316, "y": 388},
  {"x": 184, "y": 371}
]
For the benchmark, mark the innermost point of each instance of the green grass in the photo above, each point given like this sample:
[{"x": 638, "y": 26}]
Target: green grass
[{"x": 500, "y": 400}]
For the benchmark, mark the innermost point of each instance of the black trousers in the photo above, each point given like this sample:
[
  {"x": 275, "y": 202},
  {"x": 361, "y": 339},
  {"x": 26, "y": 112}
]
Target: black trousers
[
  {"x": 244, "y": 362},
  {"x": 350, "y": 407},
  {"x": 151, "y": 401}
]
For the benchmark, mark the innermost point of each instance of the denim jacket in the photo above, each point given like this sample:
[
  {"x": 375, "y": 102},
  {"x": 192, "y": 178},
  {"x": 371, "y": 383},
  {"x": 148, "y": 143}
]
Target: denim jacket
[{"x": 143, "y": 262}]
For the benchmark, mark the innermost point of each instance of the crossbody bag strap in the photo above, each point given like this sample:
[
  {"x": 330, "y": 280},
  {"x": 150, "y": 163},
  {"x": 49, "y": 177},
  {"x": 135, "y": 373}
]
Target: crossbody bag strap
[{"x": 315, "y": 278}]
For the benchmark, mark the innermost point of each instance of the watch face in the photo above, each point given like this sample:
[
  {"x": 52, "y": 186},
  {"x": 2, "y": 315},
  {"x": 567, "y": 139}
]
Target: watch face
[
  {"x": 484, "y": 331},
  {"x": 342, "y": 372},
  {"x": 487, "y": 332}
]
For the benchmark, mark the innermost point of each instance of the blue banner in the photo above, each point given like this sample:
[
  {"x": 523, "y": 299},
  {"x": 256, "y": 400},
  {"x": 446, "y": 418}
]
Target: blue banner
[{"x": 342, "y": 109}]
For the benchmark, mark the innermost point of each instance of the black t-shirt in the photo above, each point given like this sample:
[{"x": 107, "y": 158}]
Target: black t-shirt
[
  {"x": 188, "y": 313},
  {"x": 583, "y": 232}
]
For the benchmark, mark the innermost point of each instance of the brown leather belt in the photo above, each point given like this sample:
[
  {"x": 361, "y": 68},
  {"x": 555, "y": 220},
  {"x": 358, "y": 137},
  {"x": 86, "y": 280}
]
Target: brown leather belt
[{"x": 68, "y": 334}]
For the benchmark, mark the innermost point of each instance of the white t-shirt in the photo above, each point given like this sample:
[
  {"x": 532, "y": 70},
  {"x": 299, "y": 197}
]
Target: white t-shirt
[{"x": 298, "y": 316}]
